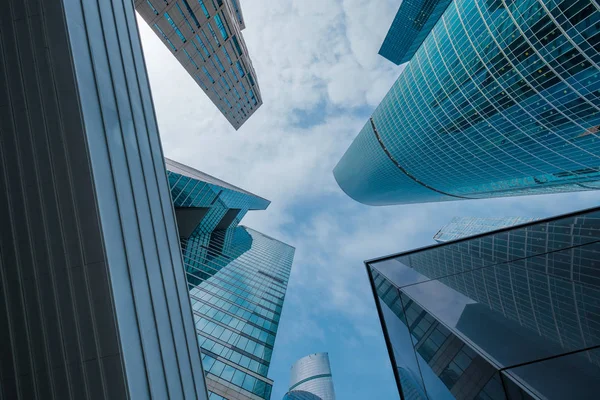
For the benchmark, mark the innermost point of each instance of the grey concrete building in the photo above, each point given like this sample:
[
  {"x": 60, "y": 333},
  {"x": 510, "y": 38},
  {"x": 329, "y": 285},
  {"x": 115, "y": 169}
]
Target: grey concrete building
[
  {"x": 93, "y": 297},
  {"x": 205, "y": 37}
]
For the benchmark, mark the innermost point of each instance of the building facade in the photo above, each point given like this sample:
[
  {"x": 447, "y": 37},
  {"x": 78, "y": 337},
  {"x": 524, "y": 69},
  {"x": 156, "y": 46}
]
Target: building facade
[
  {"x": 311, "y": 376},
  {"x": 237, "y": 279},
  {"x": 93, "y": 296},
  {"x": 500, "y": 99},
  {"x": 461, "y": 227},
  {"x": 205, "y": 37},
  {"x": 510, "y": 314}
]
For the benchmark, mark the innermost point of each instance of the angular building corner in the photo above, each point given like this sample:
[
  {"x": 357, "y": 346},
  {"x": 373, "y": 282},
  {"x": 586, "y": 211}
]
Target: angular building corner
[
  {"x": 237, "y": 280},
  {"x": 205, "y": 37},
  {"x": 460, "y": 227},
  {"x": 508, "y": 314},
  {"x": 93, "y": 299},
  {"x": 311, "y": 379},
  {"x": 499, "y": 98}
]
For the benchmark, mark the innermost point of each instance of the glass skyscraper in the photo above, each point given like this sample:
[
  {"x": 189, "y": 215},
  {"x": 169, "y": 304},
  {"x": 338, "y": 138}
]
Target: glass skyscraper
[
  {"x": 205, "y": 36},
  {"x": 237, "y": 279},
  {"x": 510, "y": 314},
  {"x": 310, "y": 378},
  {"x": 500, "y": 99},
  {"x": 461, "y": 227},
  {"x": 93, "y": 295}
]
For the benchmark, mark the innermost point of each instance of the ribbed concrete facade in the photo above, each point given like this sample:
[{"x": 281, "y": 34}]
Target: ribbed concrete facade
[
  {"x": 312, "y": 374},
  {"x": 205, "y": 36},
  {"x": 93, "y": 299}
]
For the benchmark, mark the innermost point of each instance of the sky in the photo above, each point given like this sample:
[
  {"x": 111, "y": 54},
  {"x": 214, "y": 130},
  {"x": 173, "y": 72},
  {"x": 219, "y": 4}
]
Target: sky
[{"x": 320, "y": 77}]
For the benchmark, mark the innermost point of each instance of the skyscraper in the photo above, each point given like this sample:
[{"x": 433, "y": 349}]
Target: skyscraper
[
  {"x": 237, "y": 279},
  {"x": 499, "y": 99},
  {"x": 507, "y": 314},
  {"x": 93, "y": 299},
  {"x": 311, "y": 378},
  {"x": 205, "y": 36},
  {"x": 461, "y": 227}
]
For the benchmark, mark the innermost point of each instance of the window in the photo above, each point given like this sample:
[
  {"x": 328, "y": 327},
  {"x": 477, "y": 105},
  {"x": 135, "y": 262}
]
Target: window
[
  {"x": 227, "y": 55},
  {"x": 237, "y": 94},
  {"x": 455, "y": 368},
  {"x": 190, "y": 58},
  {"x": 189, "y": 9},
  {"x": 230, "y": 106},
  {"x": 234, "y": 76},
  {"x": 175, "y": 28},
  {"x": 165, "y": 37},
  {"x": 207, "y": 41},
  {"x": 185, "y": 18},
  {"x": 221, "y": 27},
  {"x": 198, "y": 51},
  {"x": 225, "y": 83},
  {"x": 203, "y": 46},
  {"x": 219, "y": 62},
  {"x": 214, "y": 35},
  {"x": 236, "y": 45},
  {"x": 240, "y": 69},
  {"x": 208, "y": 75},
  {"x": 152, "y": 7},
  {"x": 204, "y": 10}
]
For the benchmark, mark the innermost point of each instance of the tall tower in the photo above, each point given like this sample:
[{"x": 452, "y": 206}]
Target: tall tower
[
  {"x": 237, "y": 280},
  {"x": 206, "y": 38},
  {"x": 461, "y": 227},
  {"x": 507, "y": 314},
  {"x": 501, "y": 98},
  {"x": 311, "y": 378}
]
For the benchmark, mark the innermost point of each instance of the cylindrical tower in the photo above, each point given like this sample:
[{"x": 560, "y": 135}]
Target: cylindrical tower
[
  {"x": 311, "y": 375},
  {"x": 501, "y": 99}
]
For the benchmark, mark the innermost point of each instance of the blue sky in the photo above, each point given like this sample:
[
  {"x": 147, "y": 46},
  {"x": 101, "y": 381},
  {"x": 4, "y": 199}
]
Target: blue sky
[{"x": 320, "y": 77}]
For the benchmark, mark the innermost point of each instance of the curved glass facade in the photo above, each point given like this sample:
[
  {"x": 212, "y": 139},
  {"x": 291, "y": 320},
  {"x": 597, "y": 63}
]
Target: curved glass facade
[
  {"x": 501, "y": 99},
  {"x": 312, "y": 374}
]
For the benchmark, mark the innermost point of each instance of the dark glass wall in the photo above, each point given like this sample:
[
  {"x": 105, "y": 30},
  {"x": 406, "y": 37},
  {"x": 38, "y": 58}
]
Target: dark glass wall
[{"x": 523, "y": 302}]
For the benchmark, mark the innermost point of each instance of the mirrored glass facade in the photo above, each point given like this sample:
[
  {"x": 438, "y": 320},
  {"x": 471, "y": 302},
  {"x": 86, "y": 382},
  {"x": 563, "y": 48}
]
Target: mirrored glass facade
[
  {"x": 501, "y": 99},
  {"x": 205, "y": 37},
  {"x": 237, "y": 279},
  {"x": 461, "y": 227},
  {"x": 311, "y": 375},
  {"x": 505, "y": 315}
]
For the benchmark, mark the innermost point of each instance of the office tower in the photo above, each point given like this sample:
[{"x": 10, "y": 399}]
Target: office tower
[
  {"x": 461, "y": 227},
  {"x": 205, "y": 36},
  {"x": 311, "y": 378},
  {"x": 237, "y": 279},
  {"x": 510, "y": 314},
  {"x": 93, "y": 299},
  {"x": 500, "y": 99}
]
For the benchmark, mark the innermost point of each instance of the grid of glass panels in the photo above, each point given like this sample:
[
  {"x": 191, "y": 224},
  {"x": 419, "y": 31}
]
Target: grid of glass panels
[
  {"x": 461, "y": 227},
  {"x": 501, "y": 99},
  {"x": 501, "y": 301},
  {"x": 237, "y": 280},
  {"x": 411, "y": 25},
  {"x": 205, "y": 36}
]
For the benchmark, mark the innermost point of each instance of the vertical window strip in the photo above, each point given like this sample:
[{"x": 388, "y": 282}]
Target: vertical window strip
[
  {"x": 251, "y": 79},
  {"x": 189, "y": 9},
  {"x": 232, "y": 72},
  {"x": 165, "y": 37},
  {"x": 175, "y": 28},
  {"x": 207, "y": 41},
  {"x": 190, "y": 58},
  {"x": 212, "y": 32},
  {"x": 219, "y": 62},
  {"x": 185, "y": 18},
  {"x": 221, "y": 27},
  {"x": 202, "y": 84},
  {"x": 227, "y": 55},
  {"x": 237, "y": 94},
  {"x": 225, "y": 82},
  {"x": 208, "y": 75},
  {"x": 204, "y": 10},
  {"x": 203, "y": 46},
  {"x": 152, "y": 7},
  {"x": 228, "y": 103},
  {"x": 240, "y": 69},
  {"x": 237, "y": 45},
  {"x": 198, "y": 51}
]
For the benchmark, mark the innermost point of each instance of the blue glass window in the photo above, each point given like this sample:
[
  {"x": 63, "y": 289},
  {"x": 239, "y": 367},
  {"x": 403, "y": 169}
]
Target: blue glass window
[
  {"x": 175, "y": 28},
  {"x": 204, "y": 10},
  {"x": 214, "y": 35},
  {"x": 190, "y": 58},
  {"x": 221, "y": 27},
  {"x": 240, "y": 69},
  {"x": 198, "y": 51},
  {"x": 208, "y": 75},
  {"x": 251, "y": 79},
  {"x": 185, "y": 18},
  {"x": 203, "y": 46},
  {"x": 227, "y": 55},
  {"x": 237, "y": 94},
  {"x": 201, "y": 82},
  {"x": 245, "y": 91},
  {"x": 252, "y": 96},
  {"x": 237, "y": 45},
  {"x": 189, "y": 9},
  {"x": 225, "y": 83},
  {"x": 165, "y": 37},
  {"x": 230, "y": 106},
  {"x": 207, "y": 41},
  {"x": 219, "y": 62},
  {"x": 152, "y": 7},
  {"x": 235, "y": 78},
  {"x": 216, "y": 93}
]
